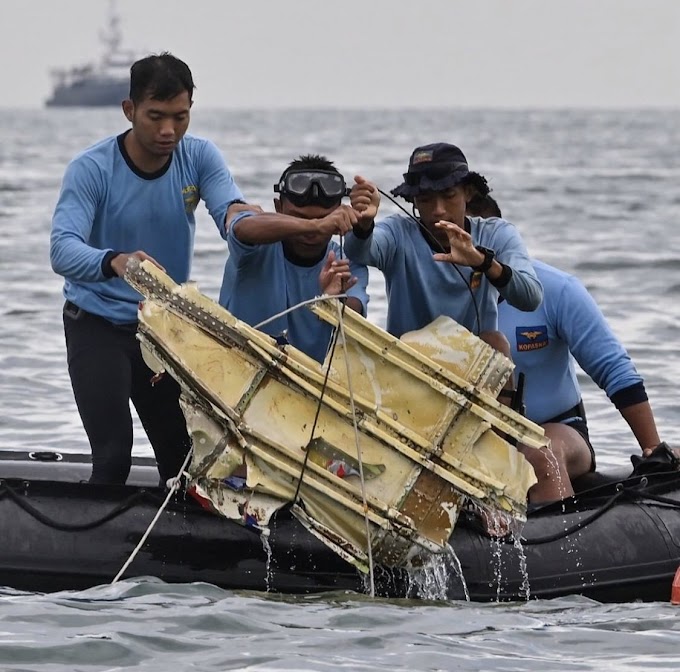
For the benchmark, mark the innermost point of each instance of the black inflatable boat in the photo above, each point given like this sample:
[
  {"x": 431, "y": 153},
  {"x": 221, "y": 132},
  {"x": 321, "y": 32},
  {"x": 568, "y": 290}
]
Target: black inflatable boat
[{"x": 618, "y": 539}]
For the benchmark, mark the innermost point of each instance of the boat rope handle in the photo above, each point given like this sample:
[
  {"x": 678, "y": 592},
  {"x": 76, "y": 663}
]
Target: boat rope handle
[
  {"x": 624, "y": 492},
  {"x": 32, "y": 511},
  {"x": 173, "y": 485}
]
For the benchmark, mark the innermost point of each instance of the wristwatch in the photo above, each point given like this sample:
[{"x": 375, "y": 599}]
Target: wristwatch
[{"x": 489, "y": 256}]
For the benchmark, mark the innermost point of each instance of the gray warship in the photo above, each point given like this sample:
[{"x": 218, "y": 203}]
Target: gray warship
[{"x": 102, "y": 84}]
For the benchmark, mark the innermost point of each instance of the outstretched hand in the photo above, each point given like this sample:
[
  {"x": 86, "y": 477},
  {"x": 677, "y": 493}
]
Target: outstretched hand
[
  {"x": 365, "y": 199},
  {"x": 335, "y": 277},
  {"x": 462, "y": 250}
]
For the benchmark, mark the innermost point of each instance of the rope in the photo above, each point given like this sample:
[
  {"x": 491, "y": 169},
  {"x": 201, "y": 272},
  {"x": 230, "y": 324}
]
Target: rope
[
  {"x": 173, "y": 484},
  {"x": 316, "y": 299},
  {"x": 325, "y": 378},
  {"x": 341, "y": 325},
  {"x": 631, "y": 493},
  {"x": 316, "y": 415},
  {"x": 72, "y": 527},
  {"x": 574, "y": 528},
  {"x": 341, "y": 306}
]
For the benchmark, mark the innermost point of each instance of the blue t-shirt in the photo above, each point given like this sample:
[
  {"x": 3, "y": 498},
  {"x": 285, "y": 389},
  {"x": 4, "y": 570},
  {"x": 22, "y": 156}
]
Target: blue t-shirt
[
  {"x": 106, "y": 205},
  {"x": 567, "y": 323},
  {"x": 260, "y": 282},
  {"x": 420, "y": 289}
]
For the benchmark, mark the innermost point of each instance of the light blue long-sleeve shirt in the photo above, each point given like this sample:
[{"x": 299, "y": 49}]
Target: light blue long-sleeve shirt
[
  {"x": 420, "y": 289},
  {"x": 106, "y": 205},
  {"x": 259, "y": 282},
  {"x": 567, "y": 323}
]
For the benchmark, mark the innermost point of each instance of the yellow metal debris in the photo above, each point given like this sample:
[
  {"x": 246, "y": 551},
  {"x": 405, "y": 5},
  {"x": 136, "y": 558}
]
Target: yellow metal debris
[{"x": 430, "y": 428}]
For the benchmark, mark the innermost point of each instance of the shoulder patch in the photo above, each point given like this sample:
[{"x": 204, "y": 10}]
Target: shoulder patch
[{"x": 191, "y": 198}]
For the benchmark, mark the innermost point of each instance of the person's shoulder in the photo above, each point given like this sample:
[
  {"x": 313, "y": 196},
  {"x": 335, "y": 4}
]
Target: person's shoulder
[
  {"x": 491, "y": 222},
  {"x": 95, "y": 160},
  {"x": 199, "y": 152},
  {"x": 555, "y": 278},
  {"x": 492, "y": 228},
  {"x": 196, "y": 143},
  {"x": 96, "y": 151},
  {"x": 397, "y": 222}
]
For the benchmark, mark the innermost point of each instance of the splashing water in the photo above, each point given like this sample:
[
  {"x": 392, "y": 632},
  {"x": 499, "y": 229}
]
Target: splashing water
[
  {"x": 525, "y": 588},
  {"x": 458, "y": 569},
  {"x": 431, "y": 580},
  {"x": 569, "y": 547},
  {"x": 264, "y": 536},
  {"x": 500, "y": 525}
]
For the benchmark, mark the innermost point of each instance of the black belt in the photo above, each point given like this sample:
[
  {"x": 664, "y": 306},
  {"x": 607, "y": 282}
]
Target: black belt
[{"x": 573, "y": 413}]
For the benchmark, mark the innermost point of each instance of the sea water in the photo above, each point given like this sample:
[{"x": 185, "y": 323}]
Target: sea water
[{"x": 595, "y": 193}]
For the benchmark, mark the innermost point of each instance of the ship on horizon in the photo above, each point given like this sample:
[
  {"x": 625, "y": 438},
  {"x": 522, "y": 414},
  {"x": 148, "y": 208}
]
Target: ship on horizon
[{"x": 102, "y": 84}]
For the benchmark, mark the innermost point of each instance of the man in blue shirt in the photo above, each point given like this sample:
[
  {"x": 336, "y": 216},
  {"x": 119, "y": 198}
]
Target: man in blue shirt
[
  {"x": 277, "y": 260},
  {"x": 442, "y": 263},
  {"x": 133, "y": 195},
  {"x": 568, "y": 325}
]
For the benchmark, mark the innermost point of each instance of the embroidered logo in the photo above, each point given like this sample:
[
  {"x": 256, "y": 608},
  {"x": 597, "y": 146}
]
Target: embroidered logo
[
  {"x": 531, "y": 338},
  {"x": 191, "y": 198},
  {"x": 424, "y": 156}
]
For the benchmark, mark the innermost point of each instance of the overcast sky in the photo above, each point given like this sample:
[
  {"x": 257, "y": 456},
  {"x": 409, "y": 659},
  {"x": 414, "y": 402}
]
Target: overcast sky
[{"x": 370, "y": 53}]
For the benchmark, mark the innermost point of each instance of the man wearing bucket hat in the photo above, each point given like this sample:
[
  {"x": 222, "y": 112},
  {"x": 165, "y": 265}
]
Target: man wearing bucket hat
[{"x": 442, "y": 263}]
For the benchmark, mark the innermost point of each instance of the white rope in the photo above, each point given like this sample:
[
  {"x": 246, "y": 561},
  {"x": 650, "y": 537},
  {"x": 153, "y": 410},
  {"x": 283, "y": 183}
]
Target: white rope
[
  {"x": 316, "y": 299},
  {"x": 173, "y": 484},
  {"x": 341, "y": 325}
]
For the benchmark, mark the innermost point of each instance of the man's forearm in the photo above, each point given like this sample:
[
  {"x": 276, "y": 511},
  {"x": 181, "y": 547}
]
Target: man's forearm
[
  {"x": 272, "y": 227},
  {"x": 641, "y": 420},
  {"x": 355, "y": 304}
]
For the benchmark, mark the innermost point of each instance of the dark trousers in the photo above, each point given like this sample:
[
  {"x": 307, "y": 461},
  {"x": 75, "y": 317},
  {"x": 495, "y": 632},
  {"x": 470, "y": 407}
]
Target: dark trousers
[{"x": 107, "y": 371}]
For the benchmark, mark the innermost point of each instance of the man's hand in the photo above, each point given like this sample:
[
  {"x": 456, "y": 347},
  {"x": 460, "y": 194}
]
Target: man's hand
[
  {"x": 648, "y": 451},
  {"x": 340, "y": 221},
  {"x": 462, "y": 252},
  {"x": 119, "y": 262},
  {"x": 365, "y": 199},
  {"x": 335, "y": 277}
]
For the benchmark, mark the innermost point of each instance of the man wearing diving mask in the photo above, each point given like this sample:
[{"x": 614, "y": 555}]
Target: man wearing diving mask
[{"x": 277, "y": 260}]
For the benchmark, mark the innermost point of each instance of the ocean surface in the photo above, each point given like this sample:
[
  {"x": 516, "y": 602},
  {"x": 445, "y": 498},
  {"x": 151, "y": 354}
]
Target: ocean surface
[{"x": 595, "y": 193}]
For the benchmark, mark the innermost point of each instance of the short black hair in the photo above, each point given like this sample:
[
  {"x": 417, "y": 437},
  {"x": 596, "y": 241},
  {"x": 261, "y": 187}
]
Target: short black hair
[
  {"x": 310, "y": 162},
  {"x": 483, "y": 206},
  {"x": 161, "y": 77}
]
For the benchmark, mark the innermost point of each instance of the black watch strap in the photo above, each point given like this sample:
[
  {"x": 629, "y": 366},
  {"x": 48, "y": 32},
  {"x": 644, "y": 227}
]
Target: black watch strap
[{"x": 489, "y": 256}]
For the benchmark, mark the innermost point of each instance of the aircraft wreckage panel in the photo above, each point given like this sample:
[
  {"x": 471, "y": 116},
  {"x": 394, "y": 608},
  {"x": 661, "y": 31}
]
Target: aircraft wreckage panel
[{"x": 427, "y": 418}]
